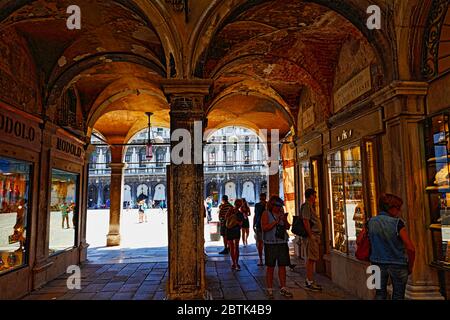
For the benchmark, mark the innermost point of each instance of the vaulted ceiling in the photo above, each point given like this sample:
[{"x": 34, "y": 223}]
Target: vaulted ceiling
[
  {"x": 282, "y": 47},
  {"x": 261, "y": 57}
]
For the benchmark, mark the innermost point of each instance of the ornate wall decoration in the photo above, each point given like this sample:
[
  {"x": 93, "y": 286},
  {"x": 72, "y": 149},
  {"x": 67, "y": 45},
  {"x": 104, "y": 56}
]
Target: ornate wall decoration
[
  {"x": 432, "y": 35},
  {"x": 180, "y": 6}
]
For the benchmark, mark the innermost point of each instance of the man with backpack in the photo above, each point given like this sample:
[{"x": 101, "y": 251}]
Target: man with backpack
[{"x": 313, "y": 228}]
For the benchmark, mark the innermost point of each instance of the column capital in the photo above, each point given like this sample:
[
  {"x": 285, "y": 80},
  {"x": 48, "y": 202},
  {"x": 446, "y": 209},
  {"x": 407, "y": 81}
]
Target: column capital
[
  {"x": 186, "y": 87},
  {"x": 402, "y": 98},
  {"x": 400, "y": 88},
  {"x": 117, "y": 166}
]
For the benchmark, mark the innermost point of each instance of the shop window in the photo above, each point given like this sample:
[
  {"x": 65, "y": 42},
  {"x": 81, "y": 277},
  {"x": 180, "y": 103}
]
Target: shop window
[
  {"x": 437, "y": 145},
  {"x": 346, "y": 189},
  {"x": 63, "y": 211},
  {"x": 14, "y": 211},
  {"x": 305, "y": 179}
]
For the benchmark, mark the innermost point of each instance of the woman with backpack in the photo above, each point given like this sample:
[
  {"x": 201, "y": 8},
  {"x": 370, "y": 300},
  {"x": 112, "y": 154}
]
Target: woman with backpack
[{"x": 390, "y": 247}]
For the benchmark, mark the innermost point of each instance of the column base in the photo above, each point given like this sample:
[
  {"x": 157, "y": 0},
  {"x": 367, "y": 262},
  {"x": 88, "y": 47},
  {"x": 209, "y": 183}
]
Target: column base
[
  {"x": 206, "y": 295},
  {"x": 113, "y": 240},
  {"x": 423, "y": 292}
]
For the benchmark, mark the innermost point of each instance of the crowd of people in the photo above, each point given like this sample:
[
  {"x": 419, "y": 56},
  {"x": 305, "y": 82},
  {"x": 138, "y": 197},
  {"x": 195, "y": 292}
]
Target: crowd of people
[{"x": 390, "y": 246}]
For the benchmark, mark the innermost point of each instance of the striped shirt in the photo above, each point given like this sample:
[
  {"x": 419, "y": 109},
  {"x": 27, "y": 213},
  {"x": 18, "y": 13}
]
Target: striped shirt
[{"x": 223, "y": 210}]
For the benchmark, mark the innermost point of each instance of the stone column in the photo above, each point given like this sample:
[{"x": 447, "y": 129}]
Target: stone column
[
  {"x": 99, "y": 193},
  {"x": 185, "y": 193},
  {"x": 273, "y": 177},
  {"x": 134, "y": 194},
  {"x": 404, "y": 174},
  {"x": 42, "y": 226},
  {"x": 82, "y": 215},
  {"x": 115, "y": 196}
]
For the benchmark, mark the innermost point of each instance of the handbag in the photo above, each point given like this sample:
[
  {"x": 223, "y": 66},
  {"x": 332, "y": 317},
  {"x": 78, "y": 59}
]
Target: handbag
[
  {"x": 280, "y": 232},
  {"x": 363, "y": 244}
]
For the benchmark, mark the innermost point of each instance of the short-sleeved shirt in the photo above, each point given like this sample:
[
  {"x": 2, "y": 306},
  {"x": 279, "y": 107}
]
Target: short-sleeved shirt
[
  {"x": 259, "y": 209},
  {"x": 223, "y": 210},
  {"x": 64, "y": 210},
  {"x": 308, "y": 212}
]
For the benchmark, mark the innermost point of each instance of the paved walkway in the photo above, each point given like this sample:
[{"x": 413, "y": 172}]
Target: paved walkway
[
  {"x": 147, "y": 281},
  {"x": 137, "y": 270}
]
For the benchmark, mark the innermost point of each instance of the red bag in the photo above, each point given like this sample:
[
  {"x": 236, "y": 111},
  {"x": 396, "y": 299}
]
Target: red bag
[{"x": 363, "y": 245}]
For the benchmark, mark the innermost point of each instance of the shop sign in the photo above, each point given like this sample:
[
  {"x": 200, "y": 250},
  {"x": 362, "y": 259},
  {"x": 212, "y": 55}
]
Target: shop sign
[
  {"x": 308, "y": 117},
  {"x": 303, "y": 154},
  {"x": 353, "y": 89},
  {"x": 367, "y": 125},
  {"x": 17, "y": 128},
  {"x": 344, "y": 135},
  {"x": 68, "y": 147}
]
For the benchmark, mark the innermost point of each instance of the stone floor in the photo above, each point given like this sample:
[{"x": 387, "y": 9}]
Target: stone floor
[{"x": 146, "y": 281}]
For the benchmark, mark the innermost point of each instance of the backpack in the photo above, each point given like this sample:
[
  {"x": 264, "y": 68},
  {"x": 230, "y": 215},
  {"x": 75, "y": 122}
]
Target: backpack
[
  {"x": 298, "y": 228},
  {"x": 232, "y": 221}
]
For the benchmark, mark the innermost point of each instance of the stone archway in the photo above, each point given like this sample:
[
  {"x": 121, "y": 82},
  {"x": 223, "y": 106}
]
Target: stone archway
[
  {"x": 230, "y": 190},
  {"x": 248, "y": 192}
]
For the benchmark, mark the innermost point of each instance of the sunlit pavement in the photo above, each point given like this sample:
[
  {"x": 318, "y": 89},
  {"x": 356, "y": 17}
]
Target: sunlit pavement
[
  {"x": 137, "y": 270},
  {"x": 146, "y": 242}
]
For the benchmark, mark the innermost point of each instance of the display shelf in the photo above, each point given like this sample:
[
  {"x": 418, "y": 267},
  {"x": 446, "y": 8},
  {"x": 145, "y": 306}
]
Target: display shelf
[
  {"x": 436, "y": 159},
  {"x": 445, "y": 188}
]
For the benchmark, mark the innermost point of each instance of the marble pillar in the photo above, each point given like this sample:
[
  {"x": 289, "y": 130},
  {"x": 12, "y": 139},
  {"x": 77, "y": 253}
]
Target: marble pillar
[
  {"x": 99, "y": 194},
  {"x": 404, "y": 174},
  {"x": 185, "y": 194},
  {"x": 116, "y": 192}
]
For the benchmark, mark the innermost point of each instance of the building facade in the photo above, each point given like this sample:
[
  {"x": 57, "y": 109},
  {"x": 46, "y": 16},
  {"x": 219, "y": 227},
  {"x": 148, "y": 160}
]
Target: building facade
[{"x": 234, "y": 166}]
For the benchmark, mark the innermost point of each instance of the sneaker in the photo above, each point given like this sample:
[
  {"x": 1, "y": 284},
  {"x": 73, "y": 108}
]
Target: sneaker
[
  {"x": 224, "y": 251},
  {"x": 285, "y": 292},
  {"x": 312, "y": 286},
  {"x": 270, "y": 294}
]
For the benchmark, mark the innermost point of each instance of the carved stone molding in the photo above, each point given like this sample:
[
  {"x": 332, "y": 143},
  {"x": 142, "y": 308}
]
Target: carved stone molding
[{"x": 432, "y": 37}]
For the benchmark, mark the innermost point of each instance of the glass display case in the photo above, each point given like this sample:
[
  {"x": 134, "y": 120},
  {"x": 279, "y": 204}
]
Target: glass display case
[
  {"x": 305, "y": 179},
  {"x": 14, "y": 196},
  {"x": 336, "y": 182},
  {"x": 437, "y": 145},
  {"x": 63, "y": 211},
  {"x": 345, "y": 176}
]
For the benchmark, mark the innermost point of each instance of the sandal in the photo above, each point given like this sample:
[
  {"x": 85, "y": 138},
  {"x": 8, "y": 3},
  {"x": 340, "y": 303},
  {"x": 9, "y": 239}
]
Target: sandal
[{"x": 260, "y": 264}]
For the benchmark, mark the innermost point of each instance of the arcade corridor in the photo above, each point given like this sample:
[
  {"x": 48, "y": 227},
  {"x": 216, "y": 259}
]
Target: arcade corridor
[{"x": 329, "y": 107}]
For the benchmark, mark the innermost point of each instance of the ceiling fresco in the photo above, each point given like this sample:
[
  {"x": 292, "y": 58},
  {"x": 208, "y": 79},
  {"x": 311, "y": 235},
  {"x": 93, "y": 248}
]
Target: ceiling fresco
[
  {"x": 286, "y": 45},
  {"x": 261, "y": 59}
]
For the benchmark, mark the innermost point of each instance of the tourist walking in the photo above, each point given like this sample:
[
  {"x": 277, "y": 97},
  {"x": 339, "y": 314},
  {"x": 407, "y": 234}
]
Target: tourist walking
[
  {"x": 65, "y": 209},
  {"x": 224, "y": 207},
  {"x": 391, "y": 248},
  {"x": 260, "y": 207},
  {"x": 274, "y": 225},
  {"x": 234, "y": 220},
  {"x": 245, "y": 210}
]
